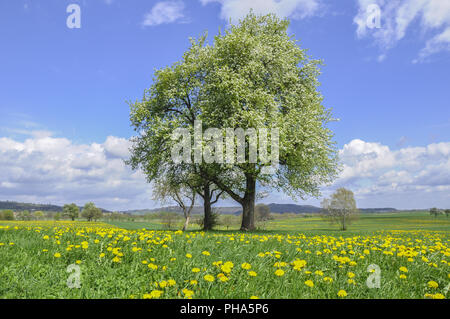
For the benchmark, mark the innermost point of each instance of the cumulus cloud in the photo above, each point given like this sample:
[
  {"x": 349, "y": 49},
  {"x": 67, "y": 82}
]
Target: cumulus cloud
[
  {"x": 46, "y": 169},
  {"x": 165, "y": 12},
  {"x": 373, "y": 171},
  {"x": 295, "y": 9},
  {"x": 397, "y": 19}
]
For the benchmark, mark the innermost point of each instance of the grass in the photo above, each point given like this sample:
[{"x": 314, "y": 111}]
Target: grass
[
  {"x": 291, "y": 258},
  {"x": 366, "y": 223}
]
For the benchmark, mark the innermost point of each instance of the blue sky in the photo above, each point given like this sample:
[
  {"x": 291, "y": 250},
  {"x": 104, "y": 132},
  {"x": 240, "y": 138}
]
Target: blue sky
[{"x": 67, "y": 88}]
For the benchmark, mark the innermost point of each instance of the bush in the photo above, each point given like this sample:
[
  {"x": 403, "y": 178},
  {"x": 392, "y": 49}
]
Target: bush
[{"x": 7, "y": 215}]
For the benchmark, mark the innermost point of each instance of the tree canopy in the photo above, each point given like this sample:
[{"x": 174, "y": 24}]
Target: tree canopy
[{"x": 252, "y": 76}]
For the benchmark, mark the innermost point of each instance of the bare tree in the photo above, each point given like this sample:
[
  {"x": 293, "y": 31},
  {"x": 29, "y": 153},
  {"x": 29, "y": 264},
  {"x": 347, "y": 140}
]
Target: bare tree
[
  {"x": 166, "y": 189},
  {"x": 340, "y": 208}
]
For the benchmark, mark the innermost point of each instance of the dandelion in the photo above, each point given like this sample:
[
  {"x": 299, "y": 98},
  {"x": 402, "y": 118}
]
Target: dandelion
[
  {"x": 246, "y": 266},
  {"x": 57, "y": 255},
  {"x": 403, "y": 269},
  {"x": 309, "y": 283},
  {"x": 252, "y": 273},
  {"x": 206, "y": 253},
  {"x": 342, "y": 293},
  {"x": 195, "y": 270},
  {"x": 432, "y": 284},
  {"x": 208, "y": 278},
  {"x": 116, "y": 259},
  {"x": 279, "y": 272},
  {"x": 153, "y": 294},
  {"x": 187, "y": 293}
]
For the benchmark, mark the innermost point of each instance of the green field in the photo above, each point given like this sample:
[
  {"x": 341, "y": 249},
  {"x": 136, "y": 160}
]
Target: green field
[
  {"x": 420, "y": 220},
  {"x": 286, "y": 258}
]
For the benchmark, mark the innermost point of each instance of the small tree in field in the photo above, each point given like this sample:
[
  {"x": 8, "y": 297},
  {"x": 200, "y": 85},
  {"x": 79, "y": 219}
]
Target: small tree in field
[
  {"x": 262, "y": 212},
  {"x": 7, "y": 215},
  {"x": 38, "y": 215},
  {"x": 447, "y": 212},
  {"x": 91, "y": 212},
  {"x": 71, "y": 210},
  {"x": 340, "y": 208},
  {"x": 435, "y": 212}
]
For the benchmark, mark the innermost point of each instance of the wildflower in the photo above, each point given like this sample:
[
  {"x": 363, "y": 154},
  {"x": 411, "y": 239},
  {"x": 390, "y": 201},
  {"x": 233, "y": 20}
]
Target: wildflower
[
  {"x": 208, "y": 278},
  {"x": 153, "y": 294},
  {"x": 279, "y": 272},
  {"x": 254, "y": 297},
  {"x": 402, "y": 276},
  {"x": 57, "y": 255},
  {"x": 195, "y": 270},
  {"x": 433, "y": 284},
  {"x": 403, "y": 269},
  {"x": 206, "y": 253},
  {"x": 246, "y": 266},
  {"x": 342, "y": 293},
  {"x": 188, "y": 256},
  {"x": 252, "y": 273},
  {"x": 328, "y": 279},
  {"x": 171, "y": 282},
  {"x": 309, "y": 283},
  {"x": 116, "y": 259},
  {"x": 187, "y": 293}
]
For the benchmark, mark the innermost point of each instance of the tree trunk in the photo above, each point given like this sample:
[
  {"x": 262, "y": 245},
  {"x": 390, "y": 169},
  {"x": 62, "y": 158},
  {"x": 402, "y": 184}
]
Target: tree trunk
[
  {"x": 186, "y": 223},
  {"x": 207, "y": 222},
  {"x": 248, "y": 205}
]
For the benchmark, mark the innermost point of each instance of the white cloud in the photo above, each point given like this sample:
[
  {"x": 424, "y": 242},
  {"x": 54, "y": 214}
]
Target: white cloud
[
  {"x": 47, "y": 169},
  {"x": 397, "y": 19},
  {"x": 374, "y": 171},
  {"x": 164, "y": 12},
  {"x": 295, "y": 9}
]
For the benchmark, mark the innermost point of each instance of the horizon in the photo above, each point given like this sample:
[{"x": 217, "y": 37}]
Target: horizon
[{"x": 387, "y": 85}]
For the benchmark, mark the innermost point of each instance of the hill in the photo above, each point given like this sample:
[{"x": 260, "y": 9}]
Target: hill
[
  {"x": 17, "y": 206},
  {"x": 274, "y": 208}
]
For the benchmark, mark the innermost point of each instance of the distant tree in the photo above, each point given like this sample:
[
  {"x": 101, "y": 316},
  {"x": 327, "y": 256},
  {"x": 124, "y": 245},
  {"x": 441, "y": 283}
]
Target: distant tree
[
  {"x": 71, "y": 211},
  {"x": 340, "y": 208},
  {"x": 57, "y": 216},
  {"x": 38, "y": 214},
  {"x": 447, "y": 212},
  {"x": 7, "y": 215},
  {"x": 262, "y": 212},
  {"x": 435, "y": 212},
  {"x": 97, "y": 214},
  {"x": 90, "y": 211},
  {"x": 24, "y": 215}
]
